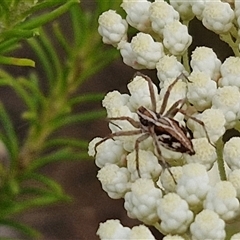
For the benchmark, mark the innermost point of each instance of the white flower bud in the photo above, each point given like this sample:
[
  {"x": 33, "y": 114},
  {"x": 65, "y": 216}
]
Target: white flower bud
[
  {"x": 112, "y": 27},
  {"x": 174, "y": 214},
  {"x": 129, "y": 57},
  {"x": 141, "y": 201},
  {"x": 114, "y": 180},
  {"x": 222, "y": 199},
  {"x": 218, "y": 16},
  {"x": 201, "y": 90},
  {"x": 103, "y": 155},
  {"x": 214, "y": 123},
  {"x": 236, "y": 236},
  {"x": 168, "y": 67},
  {"x": 230, "y": 72},
  {"x": 204, "y": 59},
  {"x": 141, "y": 232},
  {"x": 168, "y": 181},
  {"x": 176, "y": 38},
  {"x": 184, "y": 9},
  {"x": 193, "y": 184},
  {"x": 137, "y": 13},
  {"x": 147, "y": 51},
  {"x": 161, "y": 13},
  {"x": 227, "y": 99},
  {"x": 91, "y": 146},
  {"x": 231, "y": 153},
  {"x": 198, "y": 7},
  {"x": 173, "y": 237},
  {"x": 113, "y": 229},
  {"x": 234, "y": 178},
  {"x": 205, "y": 153},
  {"x": 140, "y": 94},
  {"x": 237, "y": 11},
  {"x": 208, "y": 225},
  {"x": 114, "y": 99},
  {"x": 149, "y": 166}
]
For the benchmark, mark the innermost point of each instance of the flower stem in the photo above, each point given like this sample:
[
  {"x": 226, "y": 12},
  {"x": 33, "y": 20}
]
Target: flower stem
[
  {"x": 228, "y": 39},
  {"x": 221, "y": 168}
]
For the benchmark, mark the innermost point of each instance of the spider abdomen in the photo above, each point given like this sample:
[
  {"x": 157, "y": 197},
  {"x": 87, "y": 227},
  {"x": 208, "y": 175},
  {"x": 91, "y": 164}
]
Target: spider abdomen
[{"x": 172, "y": 136}]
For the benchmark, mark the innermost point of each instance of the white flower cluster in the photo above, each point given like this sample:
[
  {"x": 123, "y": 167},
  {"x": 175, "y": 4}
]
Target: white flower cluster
[
  {"x": 184, "y": 196},
  {"x": 163, "y": 28}
]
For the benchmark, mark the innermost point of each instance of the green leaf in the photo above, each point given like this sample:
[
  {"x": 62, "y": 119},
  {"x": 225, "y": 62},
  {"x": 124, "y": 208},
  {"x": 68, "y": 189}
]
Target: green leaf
[
  {"x": 4, "y": 5},
  {"x": 45, "y": 5},
  {"x": 60, "y": 155},
  {"x": 9, "y": 45},
  {"x": 87, "y": 98},
  {"x": 28, "y": 28},
  {"x": 51, "y": 185},
  {"x": 19, "y": 33},
  {"x": 55, "y": 65},
  {"x": 17, "y": 61},
  {"x": 61, "y": 38},
  {"x": 32, "y": 87},
  {"x": 78, "y": 118},
  {"x": 11, "y": 140},
  {"x": 50, "y": 16},
  {"x": 43, "y": 58},
  {"x": 45, "y": 198}
]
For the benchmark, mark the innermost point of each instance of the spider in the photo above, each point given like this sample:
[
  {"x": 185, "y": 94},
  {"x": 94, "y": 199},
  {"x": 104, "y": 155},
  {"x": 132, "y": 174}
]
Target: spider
[{"x": 161, "y": 126}]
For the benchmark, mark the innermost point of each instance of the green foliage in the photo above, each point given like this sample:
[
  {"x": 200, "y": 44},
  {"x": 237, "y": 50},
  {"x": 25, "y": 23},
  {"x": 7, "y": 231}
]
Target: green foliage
[
  {"x": 22, "y": 187},
  {"x": 16, "y": 25}
]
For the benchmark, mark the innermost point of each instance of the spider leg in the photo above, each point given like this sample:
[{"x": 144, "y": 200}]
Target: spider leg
[
  {"x": 198, "y": 121},
  {"x": 167, "y": 94},
  {"x": 151, "y": 90},
  {"x": 138, "y": 141},
  {"x": 133, "y": 122},
  {"x": 174, "y": 109},
  {"x": 117, "y": 134}
]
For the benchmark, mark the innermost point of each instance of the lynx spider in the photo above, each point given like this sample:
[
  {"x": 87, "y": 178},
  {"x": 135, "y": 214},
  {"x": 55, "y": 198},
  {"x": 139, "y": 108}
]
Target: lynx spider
[{"x": 161, "y": 126}]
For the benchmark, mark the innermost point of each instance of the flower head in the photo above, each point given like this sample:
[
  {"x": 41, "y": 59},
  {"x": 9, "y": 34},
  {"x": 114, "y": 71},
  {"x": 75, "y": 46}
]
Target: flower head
[
  {"x": 169, "y": 154},
  {"x": 176, "y": 38},
  {"x": 227, "y": 100},
  {"x": 205, "y": 60},
  {"x": 137, "y": 13},
  {"x": 113, "y": 229},
  {"x": 231, "y": 153},
  {"x": 142, "y": 201},
  {"x": 218, "y": 16},
  {"x": 147, "y": 51},
  {"x": 112, "y": 27},
  {"x": 230, "y": 72},
  {"x": 174, "y": 214},
  {"x": 161, "y": 13},
  {"x": 193, "y": 184},
  {"x": 208, "y": 225},
  {"x": 222, "y": 200},
  {"x": 114, "y": 180}
]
